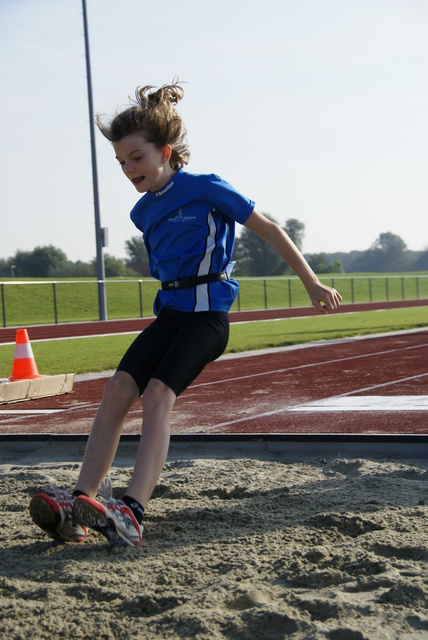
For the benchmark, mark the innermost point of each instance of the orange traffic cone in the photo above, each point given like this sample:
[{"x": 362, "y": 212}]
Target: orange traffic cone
[{"x": 24, "y": 366}]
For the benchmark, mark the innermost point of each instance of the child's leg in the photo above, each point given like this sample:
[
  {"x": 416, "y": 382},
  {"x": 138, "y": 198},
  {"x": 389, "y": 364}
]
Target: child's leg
[
  {"x": 53, "y": 509},
  {"x": 118, "y": 522},
  {"x": 185, "y": 344},
  {"x": 158, "y": 402},
  {"x": 120, "y": 393},
  {"x": 165, "y": 359}
]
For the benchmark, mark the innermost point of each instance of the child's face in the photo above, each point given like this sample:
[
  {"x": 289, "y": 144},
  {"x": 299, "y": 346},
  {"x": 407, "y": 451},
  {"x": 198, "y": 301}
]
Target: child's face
[{"x": 146, "y": 166}]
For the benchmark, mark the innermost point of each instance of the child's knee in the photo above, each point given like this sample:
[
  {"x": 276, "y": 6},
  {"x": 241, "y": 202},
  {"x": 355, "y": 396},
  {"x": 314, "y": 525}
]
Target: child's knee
[
  {"x": 121, "y": 387},
  {"x": 158, "y": 394}
]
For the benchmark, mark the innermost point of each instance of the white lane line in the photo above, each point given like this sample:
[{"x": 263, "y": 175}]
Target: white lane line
[
  {"x": 18, "y": 412},
  {"x": 315, "y": 409},
  {"x": 367, "y": 403},
  {"x": 322, "y": 363}
]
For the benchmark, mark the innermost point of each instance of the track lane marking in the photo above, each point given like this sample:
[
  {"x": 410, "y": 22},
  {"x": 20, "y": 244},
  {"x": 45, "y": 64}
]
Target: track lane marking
[
  {"x": 301, "y": 406},
  {"x": 367, "y": 403},
  {"x": 18, "y": 412},
  {"x": 322, "y": 363}
]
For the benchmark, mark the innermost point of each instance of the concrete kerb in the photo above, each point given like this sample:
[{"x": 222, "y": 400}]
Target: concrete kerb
[{"x": 28, "y": 449}]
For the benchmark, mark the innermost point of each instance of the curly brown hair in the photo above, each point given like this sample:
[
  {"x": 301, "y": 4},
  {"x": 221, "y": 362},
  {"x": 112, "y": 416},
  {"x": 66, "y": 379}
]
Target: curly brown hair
[{"x": 153, "y": 114}]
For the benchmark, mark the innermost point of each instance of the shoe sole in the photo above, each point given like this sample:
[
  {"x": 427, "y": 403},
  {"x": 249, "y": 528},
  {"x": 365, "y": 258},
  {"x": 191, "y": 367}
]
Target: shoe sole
[
  {"x": 45, "y": 515},
  {"x": 92, "y": 515}
]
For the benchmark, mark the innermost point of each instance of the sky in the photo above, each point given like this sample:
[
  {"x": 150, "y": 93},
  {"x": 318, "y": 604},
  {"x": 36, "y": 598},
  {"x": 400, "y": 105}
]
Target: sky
[{"x": 315, "y": 109}]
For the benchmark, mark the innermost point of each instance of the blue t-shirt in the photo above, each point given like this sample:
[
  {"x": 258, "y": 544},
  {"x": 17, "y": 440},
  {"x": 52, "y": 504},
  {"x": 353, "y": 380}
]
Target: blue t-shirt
[{"x": 189, "y": 230}]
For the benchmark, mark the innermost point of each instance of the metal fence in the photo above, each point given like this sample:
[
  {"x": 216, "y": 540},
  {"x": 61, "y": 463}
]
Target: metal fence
[{"x": 46, "y": 302}]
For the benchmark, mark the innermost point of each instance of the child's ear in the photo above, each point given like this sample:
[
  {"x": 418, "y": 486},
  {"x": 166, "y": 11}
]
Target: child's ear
[{"x": 166, "y": 153}]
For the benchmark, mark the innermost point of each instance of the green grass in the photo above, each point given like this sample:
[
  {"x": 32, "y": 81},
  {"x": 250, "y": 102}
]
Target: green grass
[
  {"x": 323, "y": 327},
  {"x": 103, "y": 353},
  {"x": 25, "y": 303}
]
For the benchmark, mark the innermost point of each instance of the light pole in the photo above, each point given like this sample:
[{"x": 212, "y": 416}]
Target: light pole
[{"x": 99, "y": 232}]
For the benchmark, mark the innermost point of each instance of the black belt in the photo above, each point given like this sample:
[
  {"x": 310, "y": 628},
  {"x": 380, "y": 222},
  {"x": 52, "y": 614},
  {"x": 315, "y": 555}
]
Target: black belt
[{"x": 186, "y": 283}]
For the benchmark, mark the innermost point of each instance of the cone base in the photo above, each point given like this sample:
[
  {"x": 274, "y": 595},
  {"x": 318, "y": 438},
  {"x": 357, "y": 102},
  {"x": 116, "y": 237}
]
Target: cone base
[{"x": 18, "y": 379}]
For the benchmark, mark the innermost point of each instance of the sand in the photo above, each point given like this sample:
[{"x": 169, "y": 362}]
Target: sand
[{"x": 238, "y": 544}]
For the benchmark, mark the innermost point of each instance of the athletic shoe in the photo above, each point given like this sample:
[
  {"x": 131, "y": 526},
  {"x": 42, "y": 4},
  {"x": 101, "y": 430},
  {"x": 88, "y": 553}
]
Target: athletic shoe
[
  {"x": 112, "y": 518},
  {"x": 52, "y": 511}
]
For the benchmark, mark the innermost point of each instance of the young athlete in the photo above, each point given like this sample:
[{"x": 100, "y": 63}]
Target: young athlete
[{"x": 188, "y": 223}]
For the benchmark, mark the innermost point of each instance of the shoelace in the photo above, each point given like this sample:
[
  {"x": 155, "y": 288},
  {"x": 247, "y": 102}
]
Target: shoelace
[
  {"x": 106, "y": 490},
  {"x": 62, "y": 495}
]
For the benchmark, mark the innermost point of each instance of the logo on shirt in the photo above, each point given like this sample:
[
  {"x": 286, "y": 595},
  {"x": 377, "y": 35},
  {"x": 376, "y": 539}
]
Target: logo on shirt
[
  {"x": 167, "y": 188},
  {"x": 179, "y": 217}
]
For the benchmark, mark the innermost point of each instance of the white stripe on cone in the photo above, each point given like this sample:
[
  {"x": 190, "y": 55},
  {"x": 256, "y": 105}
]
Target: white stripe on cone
[{"x": 23, "y": 350}]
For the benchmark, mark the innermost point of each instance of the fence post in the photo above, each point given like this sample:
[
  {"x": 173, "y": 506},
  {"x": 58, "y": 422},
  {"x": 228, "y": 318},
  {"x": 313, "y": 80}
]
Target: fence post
[
  {"x": 102, "y": 303},
  {"x": 289, "y": 292},
  {"x": 55, "y": 302},
  {"x": 265, "y": 291},
  {"x": 370, "y": 289},
  {"x": 3, "y": 300},
  {"x": 141, "y": 298},
  {"x": 417, "y": 287},
  {"x": 387, "y": 289},
  {"x": 402, "y": 288},
  {"x": 352, "y": 290}
]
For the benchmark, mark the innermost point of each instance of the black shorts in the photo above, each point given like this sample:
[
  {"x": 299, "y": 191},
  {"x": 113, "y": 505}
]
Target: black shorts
[{"x": 176, "y": 347}]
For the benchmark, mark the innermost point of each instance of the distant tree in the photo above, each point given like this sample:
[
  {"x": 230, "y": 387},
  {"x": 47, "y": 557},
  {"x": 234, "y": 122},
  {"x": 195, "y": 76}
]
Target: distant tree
[
  {"x": 391, "y": 249},
  {"x": 39, "y": 263},
  {"x": 296, "y": 230},
  {"x": 21, "y": 261},
  {"x": 388, "y": 253},
  {"x": 77, "y": 269},
  {"x": 5, "y": 271},
  {"x": 138, "y": 259},
  {"x": 115, "y": 267},
  {"x": 319, "y": 262},
  {"x": 421, "y": 263},
  {"x": 255, "y": 257},
  {"x": 335, "y": 266}
]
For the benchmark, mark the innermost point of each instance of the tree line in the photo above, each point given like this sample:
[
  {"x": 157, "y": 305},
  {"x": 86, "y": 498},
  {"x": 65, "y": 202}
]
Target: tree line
[{"x": 254, "y": 257}]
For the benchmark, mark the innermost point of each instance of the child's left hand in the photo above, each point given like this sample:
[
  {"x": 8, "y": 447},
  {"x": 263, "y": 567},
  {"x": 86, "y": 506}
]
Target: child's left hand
[{"x": 325, "y": 299}]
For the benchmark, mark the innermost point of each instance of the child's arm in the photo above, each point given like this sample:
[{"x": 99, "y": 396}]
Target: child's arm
[{"x": 324, "y": 298}]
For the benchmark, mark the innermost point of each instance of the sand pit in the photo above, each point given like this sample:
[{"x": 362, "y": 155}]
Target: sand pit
[{"x": 239, "y": 545}]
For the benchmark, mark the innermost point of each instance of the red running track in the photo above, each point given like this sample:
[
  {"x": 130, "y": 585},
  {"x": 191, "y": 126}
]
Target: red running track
[{"x": 371, "y": 385}]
